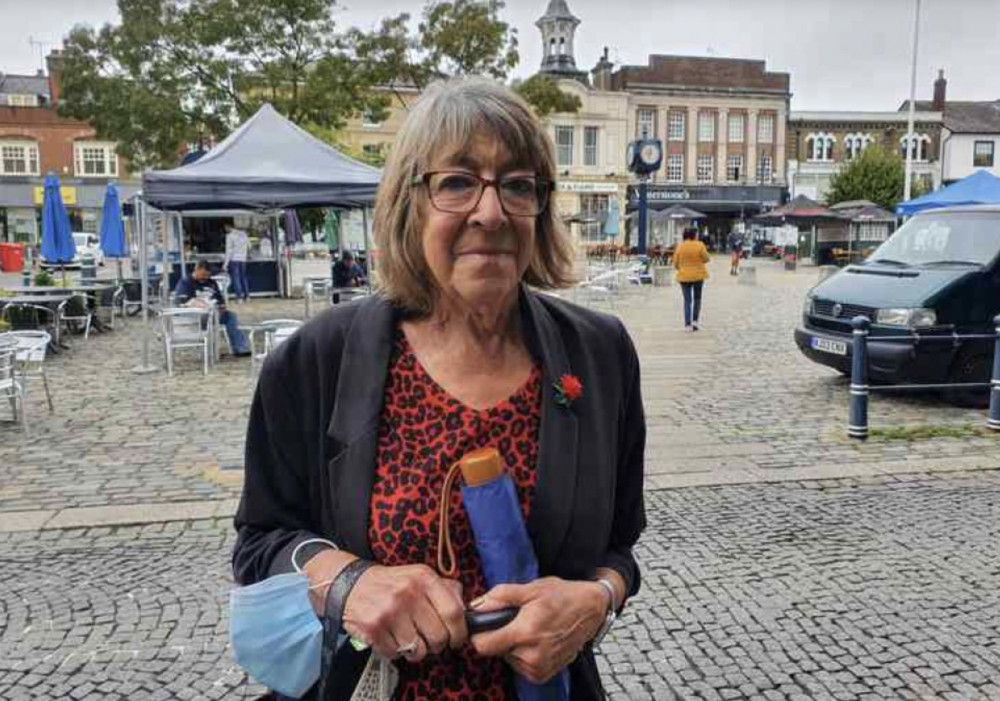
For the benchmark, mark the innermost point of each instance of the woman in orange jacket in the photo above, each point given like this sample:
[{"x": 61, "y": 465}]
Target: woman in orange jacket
[{"x": 689, "y": 259}]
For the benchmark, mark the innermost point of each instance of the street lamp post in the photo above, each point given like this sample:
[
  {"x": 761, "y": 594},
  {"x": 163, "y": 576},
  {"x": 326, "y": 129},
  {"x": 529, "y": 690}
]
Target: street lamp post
[{"x": 908, "y": 182}]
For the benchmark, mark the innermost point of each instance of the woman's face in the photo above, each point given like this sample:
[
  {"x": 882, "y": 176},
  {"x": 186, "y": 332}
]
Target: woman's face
[{"x": 479, "y": 257}]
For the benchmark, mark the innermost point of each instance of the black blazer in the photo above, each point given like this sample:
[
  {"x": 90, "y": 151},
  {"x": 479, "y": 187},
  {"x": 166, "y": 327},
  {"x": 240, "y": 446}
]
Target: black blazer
[{"x": 312, "y": 438}]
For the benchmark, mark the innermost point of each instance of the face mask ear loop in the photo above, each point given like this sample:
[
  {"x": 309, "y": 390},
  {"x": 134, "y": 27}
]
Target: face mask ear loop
[
  {"x": 445, "y": 549},
  {"x": 308, "y": 541}
]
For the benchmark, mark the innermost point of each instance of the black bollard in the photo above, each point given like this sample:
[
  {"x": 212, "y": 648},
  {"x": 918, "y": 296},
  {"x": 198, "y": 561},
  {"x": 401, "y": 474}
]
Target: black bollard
[
  {"x": 993, "y": 418},
  {"x": 857, "y": 423}
]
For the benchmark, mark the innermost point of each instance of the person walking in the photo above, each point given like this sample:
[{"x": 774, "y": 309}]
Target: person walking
[
  {"x": 735, "y": 253},
  {"x": 237, "y": 248},
  {"x": 689, "y": 260}
]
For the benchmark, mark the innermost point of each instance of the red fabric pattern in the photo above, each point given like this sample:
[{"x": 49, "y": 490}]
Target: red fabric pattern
[{"x": 423, "y": 432}]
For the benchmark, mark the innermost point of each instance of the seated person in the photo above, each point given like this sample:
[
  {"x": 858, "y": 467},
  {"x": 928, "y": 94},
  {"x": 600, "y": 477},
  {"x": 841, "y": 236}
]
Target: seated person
[
  {"x": 200, "y": 281},
  {"x": 347, "y": 273}
]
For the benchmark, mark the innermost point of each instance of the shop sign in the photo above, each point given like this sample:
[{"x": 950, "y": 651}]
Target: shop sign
[
  {"x": 584, "y": 186},
  {"x": 68, "y": 195}
]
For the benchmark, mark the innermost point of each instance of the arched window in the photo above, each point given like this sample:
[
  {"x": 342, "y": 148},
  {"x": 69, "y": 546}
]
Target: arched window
[
  {"x": 819, "y": 147},
  {"x": 552, "y": 47},
  {"x": 854, "y": 144},
  {"x": 562, "y": 46},
  {"x": 919, "y": 145}
]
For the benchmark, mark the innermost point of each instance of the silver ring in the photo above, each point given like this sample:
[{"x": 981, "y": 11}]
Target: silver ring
[{"x": 408, "y": 649}]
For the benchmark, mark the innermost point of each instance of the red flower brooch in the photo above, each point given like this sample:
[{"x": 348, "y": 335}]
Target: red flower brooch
[{"x": 568, "y": 390}]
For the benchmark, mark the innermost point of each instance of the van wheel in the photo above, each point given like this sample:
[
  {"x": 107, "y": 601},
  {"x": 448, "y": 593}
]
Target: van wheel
[{"x": 971, "y": 367}]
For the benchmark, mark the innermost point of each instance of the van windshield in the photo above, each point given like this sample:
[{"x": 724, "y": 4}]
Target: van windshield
[{"x": 948, "y": 237}]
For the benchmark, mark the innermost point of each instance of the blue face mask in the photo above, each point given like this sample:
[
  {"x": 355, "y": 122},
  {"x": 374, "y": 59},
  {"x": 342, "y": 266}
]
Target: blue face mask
[{"x": 275, "y": 634}]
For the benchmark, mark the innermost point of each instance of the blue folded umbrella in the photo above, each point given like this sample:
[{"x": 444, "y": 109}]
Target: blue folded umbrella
[
  {"x": 507, "y": 557},
  {"x": 57, "y": 237}
]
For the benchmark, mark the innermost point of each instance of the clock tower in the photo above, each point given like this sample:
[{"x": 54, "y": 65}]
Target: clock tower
[{"x": 558, "y": 27}]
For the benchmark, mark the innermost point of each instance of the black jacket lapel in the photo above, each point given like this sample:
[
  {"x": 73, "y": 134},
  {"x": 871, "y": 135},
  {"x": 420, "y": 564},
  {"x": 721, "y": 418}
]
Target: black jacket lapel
[
  {"x": 552, "y": 507},
  {"x": 354, "y": 424}
]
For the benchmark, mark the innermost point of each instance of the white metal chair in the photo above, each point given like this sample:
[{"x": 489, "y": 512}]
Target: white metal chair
[
  {"x": 186, "y": 327},
  {"x": 76, "y": 310},
  {"x": 223, "y": 281},
  {"x": 275, "y": 332},
  {"x": 111, "y": 302},
  {"x": 11, "y": 388},
  {"x": 316, "y": 290},
  {"x": 30, "y": 350}
]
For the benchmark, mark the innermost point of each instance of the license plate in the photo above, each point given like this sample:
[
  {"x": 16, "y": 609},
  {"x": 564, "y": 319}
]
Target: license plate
[{"x": 828, "y": 346}]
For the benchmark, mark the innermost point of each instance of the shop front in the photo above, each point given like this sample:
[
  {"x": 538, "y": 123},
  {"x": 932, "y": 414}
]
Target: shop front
[
  {"x": 726, "y": 208},
  {"x": 585, "y": 204},
  {"x": 21, "y": 205}
]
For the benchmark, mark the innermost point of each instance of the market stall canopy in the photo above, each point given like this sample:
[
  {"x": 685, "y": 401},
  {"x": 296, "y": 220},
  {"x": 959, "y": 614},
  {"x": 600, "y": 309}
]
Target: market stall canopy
[
  {"x": 866, "y": 212},
  {"x": 268, "y": 163},
  {"x": 981, "y": 187},
  {"x": 676, "y": 213},
  {"x": 801, "y": 210}
]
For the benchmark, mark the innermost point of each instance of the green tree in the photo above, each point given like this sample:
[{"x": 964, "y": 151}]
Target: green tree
[
  {"x": 543, "y": 93},
  {"x": 179, "y": 71},
  {"x": 876, "y": 175},
  {"x": 463, "y": 37}
]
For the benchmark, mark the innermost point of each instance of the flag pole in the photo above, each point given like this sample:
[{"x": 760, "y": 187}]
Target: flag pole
[{"x": 908, "y": 182}]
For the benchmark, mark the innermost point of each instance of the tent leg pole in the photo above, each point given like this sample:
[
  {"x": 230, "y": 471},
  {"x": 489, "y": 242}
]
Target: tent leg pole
[{"x": 145, "y": 368}]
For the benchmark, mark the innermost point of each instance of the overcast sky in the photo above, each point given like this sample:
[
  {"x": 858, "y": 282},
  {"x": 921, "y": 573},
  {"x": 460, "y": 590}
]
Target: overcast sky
[{"x": 842, "y": 54}]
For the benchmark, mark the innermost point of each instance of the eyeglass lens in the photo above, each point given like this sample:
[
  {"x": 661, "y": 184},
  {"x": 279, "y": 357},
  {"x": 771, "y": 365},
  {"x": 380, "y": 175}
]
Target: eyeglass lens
[{"x": 461, "y": 192}]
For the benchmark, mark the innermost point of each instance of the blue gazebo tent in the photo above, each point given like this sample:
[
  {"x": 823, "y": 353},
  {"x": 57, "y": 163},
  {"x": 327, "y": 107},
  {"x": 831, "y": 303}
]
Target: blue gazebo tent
[{"x": 981, "y": 187}]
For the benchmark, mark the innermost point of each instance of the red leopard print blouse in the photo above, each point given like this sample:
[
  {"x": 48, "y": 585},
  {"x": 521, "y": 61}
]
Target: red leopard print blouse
[{"x": 424, "y": 431}]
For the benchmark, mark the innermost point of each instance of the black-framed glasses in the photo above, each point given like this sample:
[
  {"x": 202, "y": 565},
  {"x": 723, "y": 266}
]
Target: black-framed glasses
[{"x": 459, "y": 192}]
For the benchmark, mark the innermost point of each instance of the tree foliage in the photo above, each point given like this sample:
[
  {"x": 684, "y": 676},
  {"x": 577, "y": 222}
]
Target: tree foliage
[
  {"x": 543, "y": 93},
  {"x": 176, "y": 72},
  {"x": 875, "y": 175}
]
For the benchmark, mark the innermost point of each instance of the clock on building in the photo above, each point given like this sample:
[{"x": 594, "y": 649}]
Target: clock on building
[{"x": 644, "y": 156}]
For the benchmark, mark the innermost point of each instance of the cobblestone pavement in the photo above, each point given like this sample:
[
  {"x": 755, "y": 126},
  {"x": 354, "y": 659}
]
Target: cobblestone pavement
[
  {"x": 733, "y": 403},
  {"x": 783, "y": 562},
  {"x": 869, "y": 589}
]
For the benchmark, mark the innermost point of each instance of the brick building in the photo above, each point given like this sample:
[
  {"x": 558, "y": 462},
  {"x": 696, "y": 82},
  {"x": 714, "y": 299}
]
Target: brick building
[
  {"x": 820, "y": 142},
  {"x": 35, "y": 140}
]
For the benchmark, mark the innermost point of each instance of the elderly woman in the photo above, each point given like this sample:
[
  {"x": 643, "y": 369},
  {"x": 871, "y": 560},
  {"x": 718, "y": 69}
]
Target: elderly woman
[{"x": 359, "y": 416}]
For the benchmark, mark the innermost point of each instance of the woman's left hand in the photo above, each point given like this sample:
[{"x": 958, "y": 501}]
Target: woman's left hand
[{"x": 557, "y": 618}]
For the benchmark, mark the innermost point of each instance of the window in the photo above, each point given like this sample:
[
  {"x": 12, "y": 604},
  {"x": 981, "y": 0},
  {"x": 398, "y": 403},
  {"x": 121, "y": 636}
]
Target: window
[
  {"x": 819, "y": 147},
  {"x": 734, "y": 168},
  {"x": 647, "y": 124},
  {"x": 675, "y": 127},
  {"x": 590, "y": 146},
  {"x": 18, "y": 158},
  {"x": 564, "y": 146},
  {"x": 95, "y": 159},
  {"x": 982, "y": 154},
  {"x": 20, "y": 100},
  {"x": 765, "y": 128},
  {"x": 736, "y": 127},
  {"x": 765, "y": 168},
  {"x": 368, "y": 118},
  {"x": 706, "y": 126},
  {"x": 854, "y": 144},
  {"x": 706, "y": 168},
  {"x": 594, "y": 206},
  {"x": 919, "y": 145},
  {"x": 675, "y": 168}
]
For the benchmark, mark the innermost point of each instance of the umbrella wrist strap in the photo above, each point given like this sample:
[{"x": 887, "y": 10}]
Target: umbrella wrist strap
[{"x": 447, "y": 564}]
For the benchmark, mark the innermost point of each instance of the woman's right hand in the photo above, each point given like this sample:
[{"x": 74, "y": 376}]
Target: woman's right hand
[{"x": 406, "y": 606}]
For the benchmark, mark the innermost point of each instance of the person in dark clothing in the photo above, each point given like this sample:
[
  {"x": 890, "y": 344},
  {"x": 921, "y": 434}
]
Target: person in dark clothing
[
  {"x": 347, "y": 273},
  {"x": 200, "y": 282}
]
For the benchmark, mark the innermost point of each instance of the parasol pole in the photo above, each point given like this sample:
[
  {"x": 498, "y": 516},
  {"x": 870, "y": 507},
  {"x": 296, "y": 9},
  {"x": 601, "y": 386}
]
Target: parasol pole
[{"x": 140, "y": 209}]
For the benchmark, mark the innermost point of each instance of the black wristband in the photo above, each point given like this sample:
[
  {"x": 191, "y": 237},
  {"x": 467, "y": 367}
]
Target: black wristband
[{"x": 343, "y": 583}]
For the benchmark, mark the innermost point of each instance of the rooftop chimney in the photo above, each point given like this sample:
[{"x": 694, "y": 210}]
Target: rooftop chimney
[
  {"x": 940, "y": 87},
  {"x": 54, "y": 62},
  {"x": 602, "y": 72}
]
